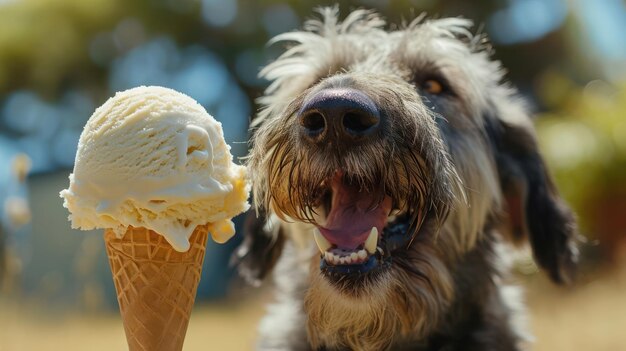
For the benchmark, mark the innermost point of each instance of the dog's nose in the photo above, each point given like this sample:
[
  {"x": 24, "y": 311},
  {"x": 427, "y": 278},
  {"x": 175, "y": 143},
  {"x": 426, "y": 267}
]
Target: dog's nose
[{"x": 339, "y": 115}]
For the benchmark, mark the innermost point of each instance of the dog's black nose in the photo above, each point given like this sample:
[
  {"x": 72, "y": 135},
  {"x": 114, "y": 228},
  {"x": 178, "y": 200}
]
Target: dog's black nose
[{"x": 339, "y": 115}]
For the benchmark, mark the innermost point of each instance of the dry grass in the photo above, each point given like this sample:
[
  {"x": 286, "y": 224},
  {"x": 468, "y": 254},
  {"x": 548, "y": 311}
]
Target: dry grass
[{"x": 590, "y": 317}]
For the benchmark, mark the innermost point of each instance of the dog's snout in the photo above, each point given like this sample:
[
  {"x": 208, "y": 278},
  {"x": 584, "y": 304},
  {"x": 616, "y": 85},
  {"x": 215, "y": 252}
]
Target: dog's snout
[{"x": 338, "y": 116}]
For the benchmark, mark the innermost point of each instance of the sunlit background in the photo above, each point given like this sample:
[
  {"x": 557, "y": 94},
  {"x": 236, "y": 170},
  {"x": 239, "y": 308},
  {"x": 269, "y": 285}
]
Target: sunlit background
[{"x": 60, "y": 59}]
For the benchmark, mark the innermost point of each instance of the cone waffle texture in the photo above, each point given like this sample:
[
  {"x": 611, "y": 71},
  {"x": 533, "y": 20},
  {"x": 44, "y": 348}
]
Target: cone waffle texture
[{"x": 156, "y": 285}]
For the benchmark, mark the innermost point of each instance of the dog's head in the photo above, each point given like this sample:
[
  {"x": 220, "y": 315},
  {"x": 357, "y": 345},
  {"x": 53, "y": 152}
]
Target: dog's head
[{"x": 401, "y": 150}]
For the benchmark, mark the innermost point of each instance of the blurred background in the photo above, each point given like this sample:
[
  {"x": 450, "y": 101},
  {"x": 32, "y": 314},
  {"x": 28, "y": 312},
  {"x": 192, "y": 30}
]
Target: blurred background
[{"x": 60, "y": 59}]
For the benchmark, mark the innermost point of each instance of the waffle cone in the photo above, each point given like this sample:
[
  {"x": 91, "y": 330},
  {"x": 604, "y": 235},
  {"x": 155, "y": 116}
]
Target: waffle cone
[{"x": 156, "y": 285}]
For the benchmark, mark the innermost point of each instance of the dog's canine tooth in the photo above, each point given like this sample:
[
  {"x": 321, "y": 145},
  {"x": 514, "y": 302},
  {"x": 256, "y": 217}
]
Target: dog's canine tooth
[
  {"x": 372, "y": 241},
  {"x": 322, "y": 243}
]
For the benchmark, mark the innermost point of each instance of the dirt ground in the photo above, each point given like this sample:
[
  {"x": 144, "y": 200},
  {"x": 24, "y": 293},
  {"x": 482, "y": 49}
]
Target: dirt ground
[{"x": 592, "y": 316}]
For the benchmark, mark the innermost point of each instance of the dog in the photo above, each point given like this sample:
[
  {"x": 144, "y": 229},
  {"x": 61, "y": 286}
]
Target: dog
[{"x": 392, "y": 172}]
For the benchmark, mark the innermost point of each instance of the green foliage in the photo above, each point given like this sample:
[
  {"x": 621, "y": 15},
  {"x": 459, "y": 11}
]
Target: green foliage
[
  {"x": 584, "y": 142},
  {"x": 42, "y": 42}
]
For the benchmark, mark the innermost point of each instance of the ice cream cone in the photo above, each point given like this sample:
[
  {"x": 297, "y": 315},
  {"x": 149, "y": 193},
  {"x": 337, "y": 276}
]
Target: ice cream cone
[
  {"x": 156, "y": 285},
  {"x": 151, "y": 157}
]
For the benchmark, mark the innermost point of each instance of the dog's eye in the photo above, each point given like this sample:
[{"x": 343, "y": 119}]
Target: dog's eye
[{"x": 433, "y": 86}]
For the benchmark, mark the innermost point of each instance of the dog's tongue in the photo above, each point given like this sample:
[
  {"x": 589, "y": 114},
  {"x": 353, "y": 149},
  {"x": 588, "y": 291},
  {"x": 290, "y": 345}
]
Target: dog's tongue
[{"x": 350, "y": 219}]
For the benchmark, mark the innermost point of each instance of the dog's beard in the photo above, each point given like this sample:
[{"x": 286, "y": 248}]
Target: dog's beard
[{"x": 364, "y": 205}]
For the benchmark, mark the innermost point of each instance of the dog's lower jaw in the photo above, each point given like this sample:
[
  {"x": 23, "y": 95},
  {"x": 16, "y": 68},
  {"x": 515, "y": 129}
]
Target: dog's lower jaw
[{"x": 396, "y": 305}]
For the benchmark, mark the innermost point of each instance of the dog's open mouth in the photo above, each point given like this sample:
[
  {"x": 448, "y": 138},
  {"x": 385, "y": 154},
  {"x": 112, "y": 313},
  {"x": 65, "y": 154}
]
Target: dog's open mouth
[{"x": 354, "y": 227}]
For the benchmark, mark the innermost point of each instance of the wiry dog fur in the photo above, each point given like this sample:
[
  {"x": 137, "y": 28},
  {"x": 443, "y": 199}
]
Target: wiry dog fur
[{"x": 462, "y": 166}]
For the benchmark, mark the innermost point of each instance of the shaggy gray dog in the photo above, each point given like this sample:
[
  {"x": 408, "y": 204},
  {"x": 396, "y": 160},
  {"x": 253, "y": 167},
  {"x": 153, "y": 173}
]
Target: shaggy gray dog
[{"x": 391, "y": 171}]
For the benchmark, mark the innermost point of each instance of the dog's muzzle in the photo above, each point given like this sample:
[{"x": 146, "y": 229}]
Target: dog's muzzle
[{"x": 351, "y": 222}]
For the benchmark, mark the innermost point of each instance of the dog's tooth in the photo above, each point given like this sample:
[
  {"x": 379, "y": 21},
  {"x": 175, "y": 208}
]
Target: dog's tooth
[
  {"x": 342, "y": 260},
  {"x": 349, "y": 259},
  {"x": 354, "y": 256},
  {"x": 362, "y": 254},
  {"x": 322, "y": 243},
  {"x": 382, "y": 252},
  {"x": 372, "y": 241}
]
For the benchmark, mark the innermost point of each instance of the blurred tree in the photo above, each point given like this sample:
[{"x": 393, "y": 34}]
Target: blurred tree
[
  {"x": 47, "y": 45},
  {"x": 43, "y": 43},
  {"x": 584, "y": 140}
]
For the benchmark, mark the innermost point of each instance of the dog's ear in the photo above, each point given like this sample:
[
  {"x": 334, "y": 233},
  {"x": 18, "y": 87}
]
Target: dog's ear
[
  {"x": 261, "y": 247},
  {"x": 533, "y": 209}
]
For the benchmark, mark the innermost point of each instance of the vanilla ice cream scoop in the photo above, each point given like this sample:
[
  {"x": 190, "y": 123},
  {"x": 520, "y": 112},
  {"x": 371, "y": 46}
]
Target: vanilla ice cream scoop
[{"x": 153, "y": 157}]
